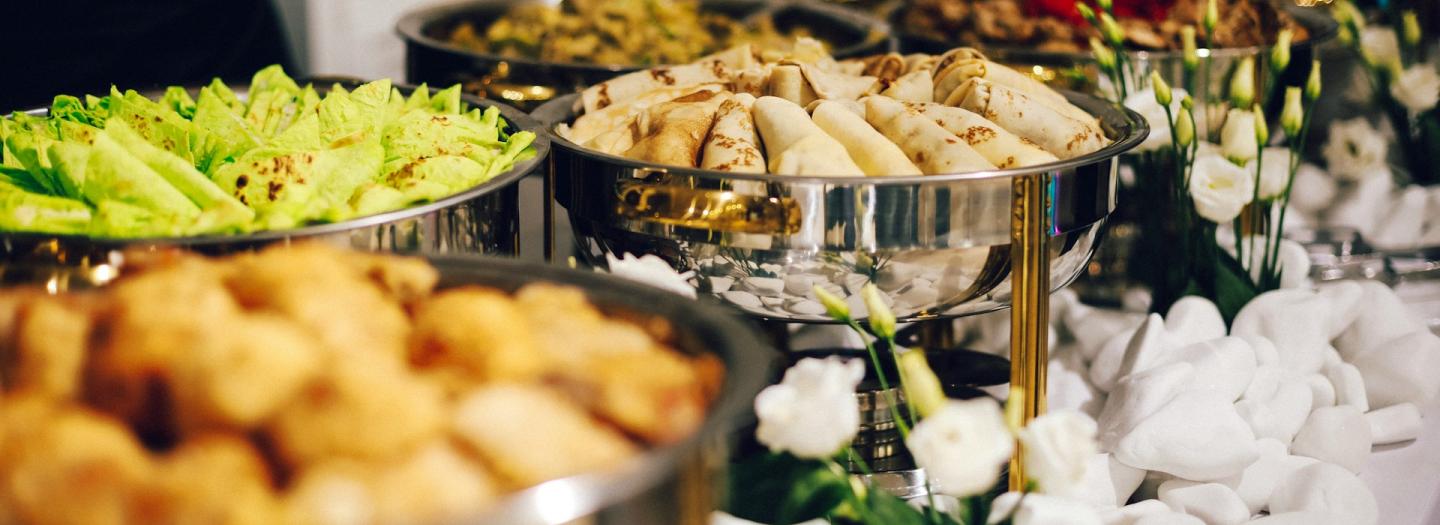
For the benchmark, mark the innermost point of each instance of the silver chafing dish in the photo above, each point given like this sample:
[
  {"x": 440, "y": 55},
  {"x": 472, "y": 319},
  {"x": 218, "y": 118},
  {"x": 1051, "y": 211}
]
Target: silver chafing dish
[
  {"x": 937, "y": 246},
  {"x": 483, "y": 219}
]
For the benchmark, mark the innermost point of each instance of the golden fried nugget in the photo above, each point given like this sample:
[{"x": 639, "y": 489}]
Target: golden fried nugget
[
  {"x": 334, "y": 492},
  {"x": 12, "y": 301},
  {"x": 75, "y": 467},
  {"x": 404, "y": 279},
  {"x": 479, "y": 329},
  {"x": 310, "y": 284},
  {"x": 213, "y": 479},
  {"x": 52, "y": 341},
  {"x": 244, "y": 379},
  {"x": 363, "y": 407},
  {"x": 656, "y": 395},
  {"x": 528, "y": 434},
  {"x": 436, "y": 484}
]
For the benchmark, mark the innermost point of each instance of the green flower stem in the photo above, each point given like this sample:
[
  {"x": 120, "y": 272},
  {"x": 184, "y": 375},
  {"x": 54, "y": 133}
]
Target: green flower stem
[
  {"x": 900, "y": 421},
  {"x": 909, "y": 403},
  {"x": 1297, "y": 148},
  {"x": 1256, "y": 209}
]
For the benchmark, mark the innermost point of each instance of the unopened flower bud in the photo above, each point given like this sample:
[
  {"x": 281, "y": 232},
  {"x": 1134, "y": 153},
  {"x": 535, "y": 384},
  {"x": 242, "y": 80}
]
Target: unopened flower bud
[
  {"x": 1103, "y": 54},
  {"x": 1280, "y": 54},
  {"x": 1410, "y": 28},
  {"x": 1242, "y": 84},
  {"x": 1212, "y": 18},
  {"x": 1293, "y": 116},
  {"x": 1087, "y": 13},
  {"x": 1107, "y": 6},
  {"x": 835, "y": 307},
  {"x": 1187, "y": 42},
  {"x": 922, "y": 388},
  {"x": 1111, "y": 29},
  {"x": 1162, "y": 90},
  {"x": 882, "y": 320},
  {"x": 1187, "y": 102},
  {"x": 1185, "y": 128},
  {"x": 1262, "y": 129},
  {"x": 1312, "y": 83}
]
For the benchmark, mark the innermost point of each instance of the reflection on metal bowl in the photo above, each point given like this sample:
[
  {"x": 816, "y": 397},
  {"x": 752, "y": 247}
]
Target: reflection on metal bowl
[
  {"x": 666, "y": 485},
  {"x": 484, "y": 219},
  {"x": 937, "y": 246},
  {"x": 525, "y": 82}
]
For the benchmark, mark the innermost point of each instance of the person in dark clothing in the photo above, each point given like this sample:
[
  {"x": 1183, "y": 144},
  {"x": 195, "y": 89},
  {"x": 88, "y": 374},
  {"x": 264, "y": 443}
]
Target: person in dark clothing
[{"x": 82, "y": 47}]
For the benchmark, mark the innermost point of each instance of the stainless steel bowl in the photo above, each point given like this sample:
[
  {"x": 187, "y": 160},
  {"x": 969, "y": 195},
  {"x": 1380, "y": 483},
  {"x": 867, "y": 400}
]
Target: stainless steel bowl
[
  {"x": 483, "y": 219},
  {"x": 526, "y": 82},
  {"x": 937, "y": 246},
  {"x": 669, "y": 485}
]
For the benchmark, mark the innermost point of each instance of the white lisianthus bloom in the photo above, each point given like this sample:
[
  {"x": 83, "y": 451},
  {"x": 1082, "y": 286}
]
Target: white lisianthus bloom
[
  {"x": 1220, "y": 189},
  {"x": 1274, "y": 172},
  {"x": 1237, "y": 137},
  {"x": 1355, "y": 150},
  {"x": 1143, "y": 102},
  {"x": 1058, "y": 446},
  {"x": 1418, "y": 88},
  {"x": 652, "y": 270},
  {"x": 1380, "y": 45},
  {"x": 962, "y": 446},
  {"x": 813, "y": 412}
]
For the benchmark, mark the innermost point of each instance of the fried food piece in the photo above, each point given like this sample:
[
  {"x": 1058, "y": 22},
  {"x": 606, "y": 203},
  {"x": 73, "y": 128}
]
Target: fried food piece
[
  {"x": 436, "y": 484},
  {"x": 528, "y": 434},
  {"x": 332, "y": 493},
  {"x": 213, "y": 479},
  {"x": 478, "y": 329},
  {"x": 242, "y": 380},
  {"x": 404, "y": 279},
  {"x": 12, "y": 301},
  {"x": 73, "y": 466},
  {"x": 307, "y": 282},
  {"x": 363, "y": 407},
  {"x": 52, "y": 341}
]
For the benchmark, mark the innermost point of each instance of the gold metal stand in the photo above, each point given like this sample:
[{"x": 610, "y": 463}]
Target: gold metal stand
[{"x": 1029, "y": 306}]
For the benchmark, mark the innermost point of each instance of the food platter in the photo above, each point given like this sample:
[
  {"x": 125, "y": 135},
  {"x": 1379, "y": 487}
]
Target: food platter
[
  {"x": 529, "y": 82},
  {"x": 801, "y": 231},
  {"x": 482, "y": 219}
]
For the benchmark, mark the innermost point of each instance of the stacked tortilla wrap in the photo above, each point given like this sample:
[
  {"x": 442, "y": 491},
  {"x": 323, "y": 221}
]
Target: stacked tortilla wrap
[{"x": 808, "y": 114}]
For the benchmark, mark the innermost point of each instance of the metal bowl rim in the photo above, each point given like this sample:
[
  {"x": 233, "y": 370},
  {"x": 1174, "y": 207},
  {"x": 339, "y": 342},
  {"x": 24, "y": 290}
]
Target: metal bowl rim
[
  {"x": 519, "y": 119},
  {"x": 738, "y": 345},
  {"x": 560, "y": 109},
  {"x": 411, "y": 28}
]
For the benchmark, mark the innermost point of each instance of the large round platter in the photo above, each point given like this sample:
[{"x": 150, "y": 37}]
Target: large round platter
[
  {"x": 529, "y": 82},
  {"x": 937, "y": 246},
  {"x": 482, "y": 219}
]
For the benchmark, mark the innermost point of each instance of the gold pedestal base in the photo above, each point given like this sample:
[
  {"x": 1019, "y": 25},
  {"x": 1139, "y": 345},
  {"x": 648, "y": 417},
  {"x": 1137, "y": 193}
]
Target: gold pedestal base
[{"x": 1029, "y": 307}]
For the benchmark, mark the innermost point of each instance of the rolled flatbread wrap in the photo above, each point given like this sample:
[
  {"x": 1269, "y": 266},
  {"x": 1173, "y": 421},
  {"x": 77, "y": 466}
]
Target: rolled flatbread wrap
[
  {"x": 793, "y": 143},
  {"x": 915, "y": 86},
  {"x": 1062, "y": 136},
  {"x": 628, "y": 86},
  {"x": 838, "y": 86},
  {"x": 918, "y": 61},
  {"x": 787, "y": 81},
  {"x": 733, "y": 144},
  {"x": 930, "y": 147},
  {"x": 855, "y": 106},
  {"x": 1002, "y": 148},
  {"x": 953, "y": 55},
  {"x": 673, "y": 132},
  {"x": 591, "y": 125},
  {"x": 870, "y": 150},
  {"x": 957, "y": 73}
]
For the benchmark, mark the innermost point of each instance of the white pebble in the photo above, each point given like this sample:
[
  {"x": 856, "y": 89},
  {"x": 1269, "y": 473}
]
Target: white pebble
[
  {"x": 1213, "y": 503},
  {"x": 895, "y": 275},
  {"x": 1168, "y": 518},
  {"x": 1282, "y": 415},
  {"x": 800, "y": 284},
  {"x": 1196, "y": 436},
  {"x": 1345, "y": 304},
  {"x": 721, "y": 284},
  {"x": 1326, "y": 488},
  {"x": 1105, "y": 360},
  {"x": 1141, "y": 351},
  {"x": 1349, "y": 386},
  {"x": 1338, "y": 434},
  {"x": 1131, "y": 513},
  {"x": 920, "y": 295},
  {"x": 1257, "y": 482},
  {"x": 1193, "y": 319},
  {"x": 1294, "y": 320},
  {"x": 744, "y": 299},
  {"x": 1137, "y": 397},
  {"x": 1401, "y": 370},
  {"x": 1394, "y": 424},
  {"x": 1265, "y": 352},
  {"x": 1069, "y": 389},
  {"x": 1264, "y": 385},
  {"x": 1304, "y": 517},
  {"x": 805, "y": 307},
  {"x": 763, "y": 286},
  {"x": 1225, "y": 365},
  {"x": 772, "y": 302},
  {"x": 1092, "y": 327},
  {"x": 1322, "y": 392},
  {"x": 1382, "y": 317},
  {"x": 1108, "y": 482}
]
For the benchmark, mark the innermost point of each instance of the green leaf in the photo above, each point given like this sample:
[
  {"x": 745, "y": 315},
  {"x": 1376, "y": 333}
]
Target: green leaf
[
  {"x": 780, "y": 489},
  {"x": 1233, "y": 288}
]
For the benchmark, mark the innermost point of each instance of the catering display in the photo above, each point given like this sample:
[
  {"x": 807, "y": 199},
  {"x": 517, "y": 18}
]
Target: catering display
[
  {"x": 899, "y": 173},
  {"x": 306, "y": 384},
  {"x": 529, "y": 52}
]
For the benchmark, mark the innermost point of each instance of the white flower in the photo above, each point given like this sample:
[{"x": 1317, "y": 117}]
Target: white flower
[
  {"x": 1355, "y": 149},
  {"x": 962, "y": 446},
  {"x": 1039, "y": 509},
  {"x": 1380, "y": 46},
  {"x": 1057, "y": 447},
  {"x": 1237, "y": 137},
  {"x": 1143, "y": 102},
  {"x": 1220, "y": 189},
  {"x": 813, "y": 412},
  {"x": 1418, "y": 88},
  {"x": 652, "y": 270},
  {"x": 1274, "y": 172}
]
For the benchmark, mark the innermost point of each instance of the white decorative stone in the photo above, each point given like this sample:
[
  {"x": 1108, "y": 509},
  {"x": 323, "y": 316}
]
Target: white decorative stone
[
  {"x": 1068, "y": 386},
  {"x": 1326, "y": 488},
  {"x": 721, "y": 284},
  {"x": 1294, "y": 263},
  {"x": 1295, "y": 320},
  {"x": 800, "y": 283},
  {"x": 1255, "y": 484},
  {"x": 1349, "y": 385},
  {"x": 1108, "y": 482},
  {"x": 1404, "y": 220},
  {"x": 1213, "y": 503},
  {"x": 1194, "y": 319},
  {"x": 1168, "y": 518},
  {"x": 1281, "y": 416},
  {"x": 1131, "y": 513},
  {"x": 763, "y": 286},
  {"x": 1332, "y": 356},
  {"x": 1105, "y": 360},
  {"x": 1304, "y": 517},
  {"x": 1265, "y": 352},
  {"x": 739, "y": 298},
  {"x": 1338, "y": 434},
  {"x": 1092, "y": 327},
  {"x": 1196, "y": 436},
  {"x": 1403, "y": 369},
  {"x": 1137, "y": 397},
  {"x": 773, "y": 302},
  {"x": 1382, "y": 317},
  {"x": 895, "y": 275},
  {"x": 920, "y": 294},
  {"x": 1322, "y": 393},
  {"x": 1225, "y": 365},
  {"x": 805, "y": 307},
  {"x": 1264, "y": 385},
  {"x": 1394, "y": 424},
  {"x": 1345, "y": 304},
  {"x": 1150, "y": 342}
]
